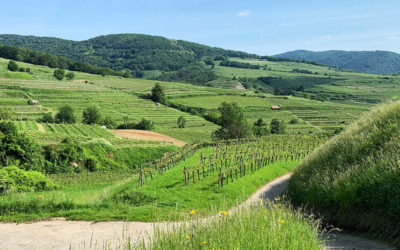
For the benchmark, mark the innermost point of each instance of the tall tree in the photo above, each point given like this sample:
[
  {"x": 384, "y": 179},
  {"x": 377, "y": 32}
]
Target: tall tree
[
  {"x": 181, "y": 122},
  {"x": 232, "y": 121},
  {"x": 157, "y": 94}
]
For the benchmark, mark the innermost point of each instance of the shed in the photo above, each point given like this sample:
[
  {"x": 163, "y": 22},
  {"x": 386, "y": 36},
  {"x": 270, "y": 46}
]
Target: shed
[{"x": 275, "y": 107}]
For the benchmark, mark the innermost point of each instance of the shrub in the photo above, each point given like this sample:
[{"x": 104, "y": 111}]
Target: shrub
[
  {"x": 6, "y": 113},
  {"x": 70, "y": 76},
  {"x": 59, "y": 74},
  {"x": 277, "y": 127},
  {"x": 13, "y": 179},
  {"x": 17, "y": 149},
  {"x": 91, "y": 115},
  {"x": 46, "y": 118},
  {"x": 260, "y": 128},
  {"x": 12, "y": 66},
  {"x": 65, "y": 115},
  {"x": 181, "y": 122}
]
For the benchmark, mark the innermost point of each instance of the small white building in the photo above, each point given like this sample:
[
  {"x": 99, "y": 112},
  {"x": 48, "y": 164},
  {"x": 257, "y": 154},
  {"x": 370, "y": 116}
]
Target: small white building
[{"x": 35, "y": 102}]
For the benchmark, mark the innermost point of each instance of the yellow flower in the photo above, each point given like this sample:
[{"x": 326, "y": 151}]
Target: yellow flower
[
  {"x": 41, "y": 196},
  {"x": 187, "y": 237},
  {"x": 278, "y": 198},
  {"x": 282, "y": 221},
  {"x": 204, "y": 243},
  {"x": 223, "y": 213},
  {"x": 278, "y": 205},
  {"x": 193, "y": 212},
  {"x": 261, "y": 202}
]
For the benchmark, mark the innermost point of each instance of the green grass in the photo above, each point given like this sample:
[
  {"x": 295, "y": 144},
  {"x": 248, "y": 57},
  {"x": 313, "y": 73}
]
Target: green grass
[
  {"x": 353, "y": 179},
  {"x": 255, "y": 227},
  {"x": 164, "y": 197}
]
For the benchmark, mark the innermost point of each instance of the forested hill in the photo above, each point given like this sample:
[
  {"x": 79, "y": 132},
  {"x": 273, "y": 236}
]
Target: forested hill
[
  {"x": 377, "y": 62},
  {"x": 125, "y": 51}
]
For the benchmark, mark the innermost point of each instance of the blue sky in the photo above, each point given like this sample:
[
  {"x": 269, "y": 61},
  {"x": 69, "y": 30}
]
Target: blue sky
[{"x": 265, "y": 27}]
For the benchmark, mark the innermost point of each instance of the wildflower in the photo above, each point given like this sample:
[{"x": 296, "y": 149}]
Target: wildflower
[
  {"x": 193, "y": 212},
  {"x": 278, "y": 205},
  {"x": 41, "y": 196},
  {"x": 281, "y": 221},
  {"x": 223, "y": 213},
  {"x": 261, "y": 202},
  {"x": 187, "y": 237},
  {"x": 204, "y": 243},
  {"x": 278, "y": 198}
]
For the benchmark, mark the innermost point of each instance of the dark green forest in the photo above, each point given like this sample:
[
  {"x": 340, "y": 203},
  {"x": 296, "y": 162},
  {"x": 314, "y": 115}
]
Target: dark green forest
[
  {"x": 52, "y": 61},
  {"x": 125, "y": 51},
  {"x": 376, "y": 62}
]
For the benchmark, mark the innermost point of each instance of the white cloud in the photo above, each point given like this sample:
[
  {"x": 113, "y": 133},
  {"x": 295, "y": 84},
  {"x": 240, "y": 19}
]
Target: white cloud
[
  {"x": 325, "y": 37},
  {"x": 244, "y": 13},
  {"x": 394, "y": 38}
]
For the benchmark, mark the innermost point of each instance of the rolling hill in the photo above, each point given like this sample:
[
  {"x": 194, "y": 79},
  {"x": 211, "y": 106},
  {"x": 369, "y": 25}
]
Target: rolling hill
[
  {"x": 376, "y": 62},
  {"x": 125, "y": 51}
]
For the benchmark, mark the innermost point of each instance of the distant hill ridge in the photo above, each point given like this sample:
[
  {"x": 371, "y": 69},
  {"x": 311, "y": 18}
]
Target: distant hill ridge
[
  {"x": 125, "y": 51},
  {"x": 376, "y": 62}
]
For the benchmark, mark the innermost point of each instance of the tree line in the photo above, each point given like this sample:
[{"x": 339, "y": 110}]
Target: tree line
[{"x": 52, "y": 61}]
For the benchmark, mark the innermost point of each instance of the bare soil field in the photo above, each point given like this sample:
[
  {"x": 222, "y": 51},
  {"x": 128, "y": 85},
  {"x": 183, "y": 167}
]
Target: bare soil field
[{"x": 147, "y": 135}]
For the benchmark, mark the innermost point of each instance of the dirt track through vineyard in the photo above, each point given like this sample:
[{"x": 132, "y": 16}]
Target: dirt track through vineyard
[{"x": 61, "y": 234}]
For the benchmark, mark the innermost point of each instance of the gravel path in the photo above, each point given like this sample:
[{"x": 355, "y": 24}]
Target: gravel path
[{"x": 61, "y": 234}]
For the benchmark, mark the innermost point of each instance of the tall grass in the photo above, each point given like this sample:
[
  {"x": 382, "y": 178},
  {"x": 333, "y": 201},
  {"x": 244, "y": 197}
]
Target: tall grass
[
  {"x": 255, "y": 227},
  {"x": 354, "y": 179}
]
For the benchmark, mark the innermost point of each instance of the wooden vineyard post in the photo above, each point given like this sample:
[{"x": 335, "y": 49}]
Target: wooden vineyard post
[
  {"x": 193, "y": 176},
  {"x": 204, "y": 174},
  {"x": 185, "y": 175},
  {"x": 141, "y": 176},
  {"x": 198, "y": 174}
]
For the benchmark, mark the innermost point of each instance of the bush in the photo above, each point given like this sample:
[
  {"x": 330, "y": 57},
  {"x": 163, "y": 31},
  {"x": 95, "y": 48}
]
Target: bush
[
  {"x": 260, "y": 128},
  {"x": 354, "y": 179},
  {"x": 13, "y": 179},
  {"x": 294, "y": 121},
  {"x": 91, "y": 115},
  {"x": 181, "y": 122},
  {"x": 143, "y": 124},
  {"x": 70, "y": 76},
  {"x": 17, "y": 149},
  {"x": 12, "y": 66},
  {"x": 277, "y": 127},
  {"x": 59, "y": 74},
  {"x": 46, "y": 118},
  {"x": 65, "y": 115},
  {"x": 6, "y": 113}
]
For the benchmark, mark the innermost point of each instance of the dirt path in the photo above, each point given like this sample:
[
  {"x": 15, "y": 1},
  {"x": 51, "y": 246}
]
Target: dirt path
[
  {"x": 147, "y": 135},
  {"x": 60, "y": 234}
]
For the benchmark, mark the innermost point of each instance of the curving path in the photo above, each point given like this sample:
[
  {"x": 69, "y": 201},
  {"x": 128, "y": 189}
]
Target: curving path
[{"x": 61, "y": 234}]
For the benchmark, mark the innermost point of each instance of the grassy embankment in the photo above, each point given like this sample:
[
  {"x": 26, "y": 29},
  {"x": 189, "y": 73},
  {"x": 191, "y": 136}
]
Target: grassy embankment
[{"x": 353, "y": 180}]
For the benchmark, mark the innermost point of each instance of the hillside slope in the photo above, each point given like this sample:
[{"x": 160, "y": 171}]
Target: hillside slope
[
  {"x": 124, "y": 51},
  {"x": 376, "y": 62},
  {"x": 354, "y": 179}
]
